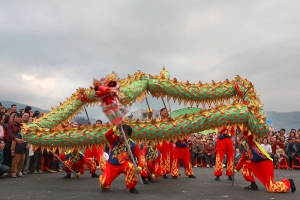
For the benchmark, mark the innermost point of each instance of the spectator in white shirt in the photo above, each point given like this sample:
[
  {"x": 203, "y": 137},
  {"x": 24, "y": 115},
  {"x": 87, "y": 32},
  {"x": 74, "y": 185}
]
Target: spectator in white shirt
[{"x": 267, "y": 147}]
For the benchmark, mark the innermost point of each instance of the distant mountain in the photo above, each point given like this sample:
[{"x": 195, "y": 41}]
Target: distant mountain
[
  {"x": 286, "y": 120},
  {"x": 7, "y": 104},
  {"x": 84, "y": 120}
]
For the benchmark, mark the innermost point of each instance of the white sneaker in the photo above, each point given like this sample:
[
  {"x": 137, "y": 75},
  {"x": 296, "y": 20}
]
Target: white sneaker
[
  {"x": 224, "y": 165},
  {"x": 20, "y": 174},
  {"x": 207, "y": 165},
  {"x": 195, "y": 166}
]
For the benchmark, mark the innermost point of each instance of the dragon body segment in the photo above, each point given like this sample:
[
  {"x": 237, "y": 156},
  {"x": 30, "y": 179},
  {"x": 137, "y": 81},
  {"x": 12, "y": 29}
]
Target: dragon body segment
[{"x": 222, "y": 104}]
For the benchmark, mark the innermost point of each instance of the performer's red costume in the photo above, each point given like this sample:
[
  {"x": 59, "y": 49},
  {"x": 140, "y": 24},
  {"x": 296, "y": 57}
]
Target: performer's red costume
[
  {"x": 255, "y": 161},
  {"x": 166, "y": 158},
  {"x": 98, "y": 155},
  {"x": 152, "y": 156},
  {"x": 224, "y": 145},
  {"x": 77, "y": 162},
  {"x": 181, "y": 152},
  {"x": 94, "y": 152},
  {"x": 166, "y": 148},
  {"x": 119, "y": 162}
]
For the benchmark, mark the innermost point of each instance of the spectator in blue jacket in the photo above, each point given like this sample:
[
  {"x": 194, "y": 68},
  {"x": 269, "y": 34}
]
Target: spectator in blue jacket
[{"x": 3, "y": 168}]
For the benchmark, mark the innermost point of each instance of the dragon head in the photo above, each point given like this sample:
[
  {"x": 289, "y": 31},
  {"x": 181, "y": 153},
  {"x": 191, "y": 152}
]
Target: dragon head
[
  {"x": 106, "y": 89},
  {"x": 105, "y": 94}
]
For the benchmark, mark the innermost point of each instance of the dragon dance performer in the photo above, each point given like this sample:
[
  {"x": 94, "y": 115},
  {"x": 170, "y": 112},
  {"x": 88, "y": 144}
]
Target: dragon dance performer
[
  {"x": 152, "y": 156},
  {"x": 119, "y": 160},
  {"x": 181, "y": 152},
  {"x": 256, "y": 161},
  {"x": 224, "y": 145},
  {"x": 97, "y": 153},
  {"x": 76, "y": 161},
  {"x": 106, "y": 90},
  {"x": 166, "y": 148}
]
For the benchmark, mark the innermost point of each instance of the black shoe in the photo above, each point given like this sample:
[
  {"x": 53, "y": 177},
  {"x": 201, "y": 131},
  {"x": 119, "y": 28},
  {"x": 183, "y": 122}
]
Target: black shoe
[
  {"x": 174, "y": 177},
  {"x": 217, "y": 178},
  {"x": 293, "y": 186},
  {"x": 230, "y": 178},
  {"x": 67, "y": 176},
  {"x": 94, "y": 175},
  {"x": 145, "y": 181},
  {"x": 251, "y": 187},
  {"x": 165, "y": 176},
  {"x": 192, "y": 176},
  {"x": 149, "y": 179},
  {"x": 134, "y": 191}
]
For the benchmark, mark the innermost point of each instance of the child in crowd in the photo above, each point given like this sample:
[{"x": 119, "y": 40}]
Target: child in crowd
[
  {"x": 18, "y": 152},
  {"x": 280, "y": 153}
]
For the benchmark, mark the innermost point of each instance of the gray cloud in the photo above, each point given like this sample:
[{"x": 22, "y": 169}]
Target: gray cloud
[
  {"x": 273, "y": 69},
  {"x": 63, "y": 45}
]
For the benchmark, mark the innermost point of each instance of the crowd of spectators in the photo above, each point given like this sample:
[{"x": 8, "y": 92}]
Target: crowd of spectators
[
  {"x": 17, "y": 157},
  {"x": 281, "y": 146},
  {"x": 203, "y": 149}
]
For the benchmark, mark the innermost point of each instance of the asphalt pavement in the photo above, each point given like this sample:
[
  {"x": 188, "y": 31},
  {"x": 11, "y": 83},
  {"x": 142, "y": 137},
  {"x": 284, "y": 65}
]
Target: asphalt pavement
[{"x": 52, "y": 186}]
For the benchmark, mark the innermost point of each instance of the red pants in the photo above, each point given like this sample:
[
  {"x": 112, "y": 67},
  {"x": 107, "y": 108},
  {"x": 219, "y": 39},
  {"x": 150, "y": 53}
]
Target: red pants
[
  {"x": 98, "y": 155},
  {"x": 184, "y": 155},
  {"x": 81, "y": 165},
  {"x": 102, "y": 163},
  {"x": 166, "y": 150},
  {"x": 113, "y": 171},
  {"x": 91, "y": 164},
  {"x": 224, "y": 146},
  {"x": 264, "y": 171},
  {"x": 155, "y": 170}
]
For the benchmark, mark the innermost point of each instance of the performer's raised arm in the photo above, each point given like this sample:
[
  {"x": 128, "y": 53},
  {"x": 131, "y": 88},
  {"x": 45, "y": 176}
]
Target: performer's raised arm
[{"x": 111, "y": 135}]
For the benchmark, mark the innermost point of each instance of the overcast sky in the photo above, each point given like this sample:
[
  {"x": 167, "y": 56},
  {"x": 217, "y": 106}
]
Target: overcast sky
[{"x": 50, "y": 48}]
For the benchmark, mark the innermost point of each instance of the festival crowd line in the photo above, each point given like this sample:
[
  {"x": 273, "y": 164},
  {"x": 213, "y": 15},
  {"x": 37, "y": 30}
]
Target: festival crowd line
[{"x": 18, "y": 158}]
